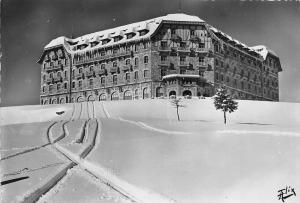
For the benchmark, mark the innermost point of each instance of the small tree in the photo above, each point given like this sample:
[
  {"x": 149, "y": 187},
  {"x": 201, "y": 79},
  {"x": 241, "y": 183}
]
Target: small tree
[
  {"x": 224, "y": 101},
  {"x": 176, "y": 103}
]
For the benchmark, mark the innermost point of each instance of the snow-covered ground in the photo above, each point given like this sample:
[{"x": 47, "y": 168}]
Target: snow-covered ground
[{"x": 142, "y": 151}]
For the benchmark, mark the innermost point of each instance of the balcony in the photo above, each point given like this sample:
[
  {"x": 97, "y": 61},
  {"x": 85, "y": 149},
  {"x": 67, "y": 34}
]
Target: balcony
[
  {"x": 164, "y": 63},
  {"x": 102, "y": 72},
  {"x": 183, "y": 49},
  {"x": 202, "y": 50},
  {"x": 114, "y": 70},
  {"x": 164, "y": 48}
]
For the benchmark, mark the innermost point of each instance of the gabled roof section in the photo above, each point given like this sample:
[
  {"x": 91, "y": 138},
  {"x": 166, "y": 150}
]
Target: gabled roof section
[{"x": 264, "y": 51}]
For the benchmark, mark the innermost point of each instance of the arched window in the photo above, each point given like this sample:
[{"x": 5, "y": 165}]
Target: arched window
[
  {"x": 114, "y": 96},
  {"x": 136, "y": 61},
  {"x": 44, "y": 77},
  {"x": 44, "y": 88},
  {"x": 127, "y": 61},
  {"x": 58, "y": 86},
  {"x": 50, "y": 88},
  {"x": 136, "y": 94},
  {"x": 102, "y": 80},
  {"x": 145, "y": 93},
  {"x": 102, "y": 97},
  {"x": 80, "y": 70},
  {"x": 146, "y": 59},
  {"x": 73, "y": 73},
  {"x": 159, "y": 92},
  {"x": 73, "y": 84},
  {"x": 103, "y": 66},
  {"x": 91, "y": 68},
  {"x": 65, "y": 85},
  {"x": 127, "y": 95},
  {"x": 58, "y": 74},
  {"x": 127, "y": 76}
]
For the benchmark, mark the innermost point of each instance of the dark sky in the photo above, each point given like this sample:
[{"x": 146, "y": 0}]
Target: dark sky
[{"x": 28, "y": 25}]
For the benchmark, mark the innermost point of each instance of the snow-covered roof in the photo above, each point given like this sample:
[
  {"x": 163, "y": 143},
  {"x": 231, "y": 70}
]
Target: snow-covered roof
[
  {"x": 263, "y": 51},
  {"x": 151, "y": 25},
  {"x": 180, "y": 76}
]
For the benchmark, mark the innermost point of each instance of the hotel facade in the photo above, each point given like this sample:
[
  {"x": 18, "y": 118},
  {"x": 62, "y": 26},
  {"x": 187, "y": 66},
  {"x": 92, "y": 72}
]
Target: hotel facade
[{"x": 176, "y": 54}]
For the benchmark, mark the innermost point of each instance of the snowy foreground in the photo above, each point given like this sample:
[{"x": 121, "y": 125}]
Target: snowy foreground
[{"x": 136, "y": 151}]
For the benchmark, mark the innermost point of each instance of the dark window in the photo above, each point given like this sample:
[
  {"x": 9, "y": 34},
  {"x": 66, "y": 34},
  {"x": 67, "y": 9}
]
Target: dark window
[
  {"x": 201, "y": 45},
  {"x": 192, "y": 32},
  {"x": 115, "y": 79},
  {"x": 136, "y": 61},
  {"x": 115, "y": 64},
  {"x": 163, "y": 44},
  {"x": 73, "y": 84},
  {"x": 102, "y": 66},
  {"x": 103, "y": 80},
  {"x": 173, "y": 31},
  {"x": 80, "y": 83},
  {"x": 201, "y": 59},
  {"x": 182, "y": 58},
  {"x": 91, "y": 82},
  {"x": 136, "y": 75},
  {"x": 146, "y": 58},
  {"x": 65, "y": 85},
  {"x": 127, "y": 61},
  {"x": 58, "y": 86},
  {"x": 163, "y": 58},
  {"x": 182, "y": 44},
  {"x": 127, "y": 77}
]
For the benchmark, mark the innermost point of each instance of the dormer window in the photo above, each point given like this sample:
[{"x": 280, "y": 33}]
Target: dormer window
[
  {"x": 143, "y": 32},
  {"x": 130, "y": 35}
]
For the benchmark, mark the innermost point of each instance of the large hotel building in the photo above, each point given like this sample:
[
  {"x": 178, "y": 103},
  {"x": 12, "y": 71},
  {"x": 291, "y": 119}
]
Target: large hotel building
[{"x": 176, "y": 54}]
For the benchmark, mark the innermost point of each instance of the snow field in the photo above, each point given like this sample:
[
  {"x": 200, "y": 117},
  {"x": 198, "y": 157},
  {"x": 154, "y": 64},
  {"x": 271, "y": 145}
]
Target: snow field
[
  {"x": 34, "y": 113},
  {"x": 39, "y": 165},
  {"x": 74, "y": 186}
]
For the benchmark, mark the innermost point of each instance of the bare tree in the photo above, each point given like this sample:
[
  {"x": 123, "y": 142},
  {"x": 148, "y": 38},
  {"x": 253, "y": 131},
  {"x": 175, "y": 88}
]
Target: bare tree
[{"x": 176, "y": 103}]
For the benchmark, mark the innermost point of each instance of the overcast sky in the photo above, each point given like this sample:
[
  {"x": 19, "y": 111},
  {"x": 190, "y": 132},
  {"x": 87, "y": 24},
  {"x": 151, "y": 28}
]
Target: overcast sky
[{"x": 28, "y": 25}]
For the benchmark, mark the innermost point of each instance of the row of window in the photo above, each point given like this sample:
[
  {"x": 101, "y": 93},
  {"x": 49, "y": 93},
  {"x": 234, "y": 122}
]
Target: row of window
[
  {"x": 115, "y": 63},
  {"x": 58, "y": 74},
  {"x": 55, "y": 63},
  {"x": 115, "y": 79},
  {"x": 58, "y": 87},
  {"x": 100, "y": 52},
  {"x": 163, "y": 58},
  {"x": 164, "y": 44}
]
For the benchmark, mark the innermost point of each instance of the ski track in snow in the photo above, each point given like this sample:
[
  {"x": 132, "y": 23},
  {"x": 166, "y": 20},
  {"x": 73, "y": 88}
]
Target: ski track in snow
[
  {"x": 273, "y": 133},
  {"x": 148, "y": 127}
]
